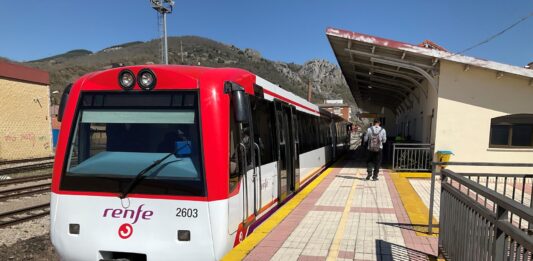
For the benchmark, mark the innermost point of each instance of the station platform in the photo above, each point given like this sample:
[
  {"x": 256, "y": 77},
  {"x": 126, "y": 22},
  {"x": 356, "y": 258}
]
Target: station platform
[{"x": 342, "y": 216}]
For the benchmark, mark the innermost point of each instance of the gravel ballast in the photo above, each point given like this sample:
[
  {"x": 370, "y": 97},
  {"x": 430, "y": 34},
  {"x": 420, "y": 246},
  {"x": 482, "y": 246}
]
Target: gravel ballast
[{"x": 35, "y": 248}]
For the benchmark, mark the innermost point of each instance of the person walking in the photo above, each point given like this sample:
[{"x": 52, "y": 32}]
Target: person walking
[{"x": 375, "y": 137}]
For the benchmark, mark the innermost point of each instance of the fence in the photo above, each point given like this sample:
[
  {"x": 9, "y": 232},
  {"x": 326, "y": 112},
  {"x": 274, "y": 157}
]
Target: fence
[
  {"x": 412, "y": 156},
  {"x": 484, "y": 216},
  {"x": 471, "y": 228}
]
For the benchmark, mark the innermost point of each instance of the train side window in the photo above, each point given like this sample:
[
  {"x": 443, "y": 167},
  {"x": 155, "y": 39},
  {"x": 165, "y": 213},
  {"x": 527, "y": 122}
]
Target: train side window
[
  {"x": 300, "y": 133},
  {"x": 262, "y": 112},
  {"x": 234, "y": 165}
]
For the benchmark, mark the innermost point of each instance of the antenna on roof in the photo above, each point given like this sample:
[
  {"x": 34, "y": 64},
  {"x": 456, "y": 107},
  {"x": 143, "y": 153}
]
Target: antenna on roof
[{"x": 163, "y": 7}]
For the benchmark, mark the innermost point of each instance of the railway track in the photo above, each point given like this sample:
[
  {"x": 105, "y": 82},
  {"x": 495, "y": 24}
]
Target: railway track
[
  {"x": 25, "y": 179},
  {"x": 24, "y": 191},
  {"x": 26, "y": 168},
  {"x": 24, "y": 214},
  {"x": 25, "y": 160}
]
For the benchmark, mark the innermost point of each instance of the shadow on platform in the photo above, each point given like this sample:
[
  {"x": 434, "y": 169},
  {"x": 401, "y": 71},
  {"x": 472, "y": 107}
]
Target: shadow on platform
[
  {"x": 386, "y": 251},
  {"x": 422, "y": 228}
]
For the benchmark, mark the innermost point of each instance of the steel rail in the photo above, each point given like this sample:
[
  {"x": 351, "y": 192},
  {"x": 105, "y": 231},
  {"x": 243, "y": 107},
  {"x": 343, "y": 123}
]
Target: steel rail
[
  {"x": 14, "y": 217},
  {"x": 24, "y": 191},
  {"x": 26, "y": 168},
  {"x": 25, "y": 160},
  {"x": 25, "y": 179}
]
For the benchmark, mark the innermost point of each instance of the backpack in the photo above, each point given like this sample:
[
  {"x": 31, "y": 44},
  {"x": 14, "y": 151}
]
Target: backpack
[{"x": 374, "y": 142}]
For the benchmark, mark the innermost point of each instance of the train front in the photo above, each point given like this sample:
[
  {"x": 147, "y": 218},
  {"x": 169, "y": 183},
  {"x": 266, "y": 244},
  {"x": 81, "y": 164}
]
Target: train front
[{"x": 129, "y": 178}]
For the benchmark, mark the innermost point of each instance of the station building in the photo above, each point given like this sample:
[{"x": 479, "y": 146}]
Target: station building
[
  {"x": 25, "y": 124},
  {"x": 480, "y": 110},
  {"x": 338, "y": 107}
]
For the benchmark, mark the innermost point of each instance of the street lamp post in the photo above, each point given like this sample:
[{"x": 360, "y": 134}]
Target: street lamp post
[{"x": 163, "y": 7}]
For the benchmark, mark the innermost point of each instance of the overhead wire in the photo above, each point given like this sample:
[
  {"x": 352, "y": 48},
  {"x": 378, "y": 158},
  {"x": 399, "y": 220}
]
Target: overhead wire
[{"x": 521, "y": 20}]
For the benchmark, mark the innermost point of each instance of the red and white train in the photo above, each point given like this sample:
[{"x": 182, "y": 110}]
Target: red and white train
[{"x": 179, "y": 162}]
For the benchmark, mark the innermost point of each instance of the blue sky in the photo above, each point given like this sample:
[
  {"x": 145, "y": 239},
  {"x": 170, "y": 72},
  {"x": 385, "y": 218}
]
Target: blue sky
[{"x": 283, "y": 30}]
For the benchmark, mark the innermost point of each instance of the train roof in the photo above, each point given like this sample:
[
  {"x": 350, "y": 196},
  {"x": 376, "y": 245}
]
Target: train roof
[{"x": 196, "y": 73}]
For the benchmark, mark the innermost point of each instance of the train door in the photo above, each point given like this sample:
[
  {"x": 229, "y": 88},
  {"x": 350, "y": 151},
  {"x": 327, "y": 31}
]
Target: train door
[
  {"x": 295, "y": 149},
  {"x": 242, "y": 171},
  {"x": 286, "y": 151},
  {"x": 333, "y": 141}
]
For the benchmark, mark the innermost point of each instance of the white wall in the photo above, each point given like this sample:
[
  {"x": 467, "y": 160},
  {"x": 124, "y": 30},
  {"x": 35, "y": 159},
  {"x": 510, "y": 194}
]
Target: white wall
[
  {"x": 390, "y": 116},
  {"x": 419, "y": 115},
  {"x": 467, "y": 102}
]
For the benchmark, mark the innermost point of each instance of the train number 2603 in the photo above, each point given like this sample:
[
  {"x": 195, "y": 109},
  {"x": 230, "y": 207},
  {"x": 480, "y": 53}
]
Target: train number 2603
[{"x": 187, "y": 212}]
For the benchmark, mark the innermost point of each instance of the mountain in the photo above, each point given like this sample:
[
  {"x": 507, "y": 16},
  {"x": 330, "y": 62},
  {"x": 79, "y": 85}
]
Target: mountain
[{"x": 326, "y": 78}]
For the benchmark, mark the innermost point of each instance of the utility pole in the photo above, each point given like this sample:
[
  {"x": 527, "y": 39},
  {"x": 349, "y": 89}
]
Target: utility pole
[
  {"x": 163, "y": 7},
  {"x": 181, "y": 51},
  {"x": 309, "y": 91}
]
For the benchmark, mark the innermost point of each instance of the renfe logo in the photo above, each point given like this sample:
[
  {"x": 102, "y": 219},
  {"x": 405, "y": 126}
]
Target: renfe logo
[
  {"x": 129, "y": 213},
  {"x": 125, "y": 231}
]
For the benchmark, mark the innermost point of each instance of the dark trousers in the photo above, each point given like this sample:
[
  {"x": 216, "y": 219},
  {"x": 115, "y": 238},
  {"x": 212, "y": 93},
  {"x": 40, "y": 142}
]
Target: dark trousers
[{"x": 373, "y": 163}]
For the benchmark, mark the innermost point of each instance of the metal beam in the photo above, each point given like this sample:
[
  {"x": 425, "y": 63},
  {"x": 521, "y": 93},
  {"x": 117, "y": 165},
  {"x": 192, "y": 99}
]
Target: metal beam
[
  {"x": 425, "y": 66},
  {"x": 374, "y": 93},
  {"x": 394, "y": 102},
  {"x": 404, "y": 75},
  {"x": 401, "y": 75},
  {"x": 380, "y": 103},
  {"x": 386, "y": 87},
  {"x": 370, "y": 66},
  {"x": 429, "y": 78},
  {"x": 373, "y": 79},
  {"x": 387, "y": 81}
]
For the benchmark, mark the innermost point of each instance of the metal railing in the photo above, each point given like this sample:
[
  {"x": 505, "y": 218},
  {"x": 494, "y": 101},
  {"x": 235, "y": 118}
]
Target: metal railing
[
  {"x": 476, "y": 222},
  {"x": 412, "y": 156},
  {"x": 489, "y": 180}
]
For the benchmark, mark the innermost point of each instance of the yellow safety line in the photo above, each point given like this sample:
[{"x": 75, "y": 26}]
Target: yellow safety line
[
  {"x": 339, "y": 234},
  {"x": 241, "y": 250},
  {"x": 423, "y": 175},
  {"x": 416, "y": 209}
]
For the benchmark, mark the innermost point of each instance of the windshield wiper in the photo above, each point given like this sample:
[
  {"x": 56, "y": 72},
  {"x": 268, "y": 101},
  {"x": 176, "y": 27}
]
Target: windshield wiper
[{"x": 139, "y": 176}]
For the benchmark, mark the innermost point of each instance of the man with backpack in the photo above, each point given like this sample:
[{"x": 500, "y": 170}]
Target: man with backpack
[{"x": 375, "y": 136}]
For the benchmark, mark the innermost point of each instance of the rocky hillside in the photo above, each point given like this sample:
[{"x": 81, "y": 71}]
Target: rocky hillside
[{"x": 325, "y": 78}]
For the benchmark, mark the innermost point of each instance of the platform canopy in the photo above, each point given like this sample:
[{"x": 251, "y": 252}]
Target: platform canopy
[
  {"x": 394, "y": 74},
  {"x": 379, "y": 71}
]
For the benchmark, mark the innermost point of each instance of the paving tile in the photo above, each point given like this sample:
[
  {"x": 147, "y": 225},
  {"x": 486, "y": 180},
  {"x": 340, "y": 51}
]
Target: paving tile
[
  {"x": 423, "y": 189},
  {"x": 372, "y": 228}
]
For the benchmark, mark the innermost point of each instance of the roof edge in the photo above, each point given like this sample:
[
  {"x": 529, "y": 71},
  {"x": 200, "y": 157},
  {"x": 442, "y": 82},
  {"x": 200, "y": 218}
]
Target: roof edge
[
  {"x": 23, "y": 73},
  {"x": 443, "y": 55}
]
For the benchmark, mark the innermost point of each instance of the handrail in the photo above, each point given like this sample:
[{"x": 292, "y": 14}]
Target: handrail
[
  {"x": 484, "y": 164},
  {"x": 260, "y": 187},
  {"x": 412, "y": 156},
  {"x": 492, "y": 175},
  {"x": 517, "y": 234},
  {"x": 474, "y": 164},
  {"x": 412, "y": 144},
  {"x": 502, "y": 201}
]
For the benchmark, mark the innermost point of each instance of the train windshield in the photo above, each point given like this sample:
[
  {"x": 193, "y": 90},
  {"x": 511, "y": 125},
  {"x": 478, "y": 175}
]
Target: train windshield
[{"x": 111, "y": 144}]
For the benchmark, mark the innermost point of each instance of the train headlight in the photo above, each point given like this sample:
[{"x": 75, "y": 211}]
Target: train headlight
[
  {"x": 146, "y": 79},
  {"x": 126, "y": 79}
]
